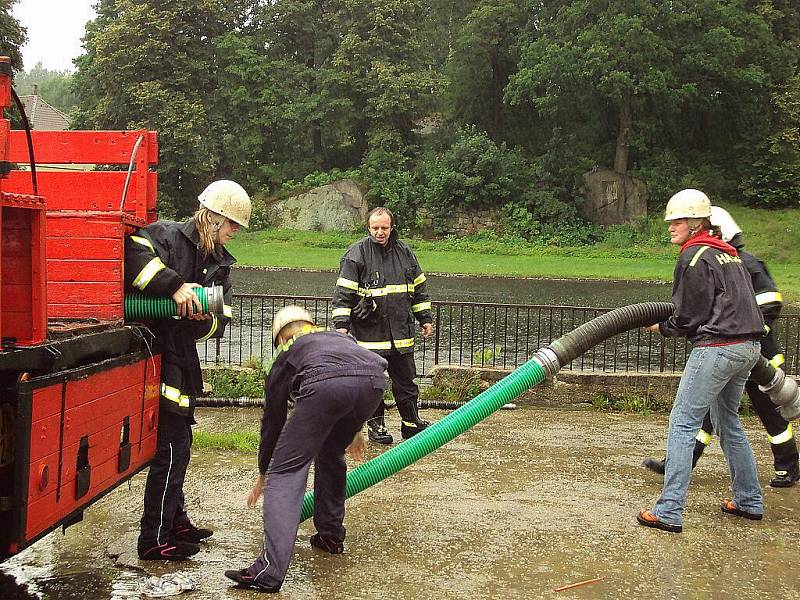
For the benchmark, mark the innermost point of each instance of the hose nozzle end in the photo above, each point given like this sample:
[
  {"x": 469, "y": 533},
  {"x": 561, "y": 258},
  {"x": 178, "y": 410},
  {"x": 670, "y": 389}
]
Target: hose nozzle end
[{"x": 784, "y": 393}]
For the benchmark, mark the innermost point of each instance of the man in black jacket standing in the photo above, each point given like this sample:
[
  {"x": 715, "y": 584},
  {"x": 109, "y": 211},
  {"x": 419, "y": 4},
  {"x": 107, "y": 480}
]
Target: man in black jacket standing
[
  {"x": 379, "y": 294},
  {"x": 169, "y": 259}
]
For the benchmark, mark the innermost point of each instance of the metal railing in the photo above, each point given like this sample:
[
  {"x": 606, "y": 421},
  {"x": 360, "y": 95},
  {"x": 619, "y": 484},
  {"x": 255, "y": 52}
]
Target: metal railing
[{"x": 483, "y": 335}]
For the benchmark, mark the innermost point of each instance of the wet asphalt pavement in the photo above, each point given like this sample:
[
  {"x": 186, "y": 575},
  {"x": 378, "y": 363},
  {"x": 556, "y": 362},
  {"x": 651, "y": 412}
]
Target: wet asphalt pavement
[{"x": 525, "y": 502}]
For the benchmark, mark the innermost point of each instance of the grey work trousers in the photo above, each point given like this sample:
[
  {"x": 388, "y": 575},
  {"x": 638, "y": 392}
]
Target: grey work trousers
[{"x": 326, "y": 416}]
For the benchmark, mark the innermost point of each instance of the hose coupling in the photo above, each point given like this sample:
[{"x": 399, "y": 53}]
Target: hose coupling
[
  {"x": 784, "y": 393},
  {"x": 216, "y": 299},
  {"x": 548, "y": 360}
]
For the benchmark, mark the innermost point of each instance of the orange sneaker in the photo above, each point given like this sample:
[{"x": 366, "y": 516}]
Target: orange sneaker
[
  {"x": 729, "y": 507},
  {"x": 648, "y": 519}
]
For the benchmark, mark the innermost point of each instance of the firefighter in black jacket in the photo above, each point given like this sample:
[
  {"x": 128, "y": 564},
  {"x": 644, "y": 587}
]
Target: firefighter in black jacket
[
  {"x": 335, "y": 386},
  {"x": 170, "y": 259},
  {"x": 770, "y": 302},
  {"x": 380, "y": 292}
]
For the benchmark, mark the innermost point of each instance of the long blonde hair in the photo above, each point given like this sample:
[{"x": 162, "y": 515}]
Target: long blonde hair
[{"x": 208, "y": 224}]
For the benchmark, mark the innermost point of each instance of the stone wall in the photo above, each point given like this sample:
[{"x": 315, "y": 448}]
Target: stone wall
[
  {"x": 464, "y": 221},
  {"x": 573, "y": 388}
]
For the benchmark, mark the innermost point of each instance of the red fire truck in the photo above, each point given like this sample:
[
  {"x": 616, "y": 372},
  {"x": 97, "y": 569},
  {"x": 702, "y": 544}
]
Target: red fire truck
[{"x": 79, "y": 387}]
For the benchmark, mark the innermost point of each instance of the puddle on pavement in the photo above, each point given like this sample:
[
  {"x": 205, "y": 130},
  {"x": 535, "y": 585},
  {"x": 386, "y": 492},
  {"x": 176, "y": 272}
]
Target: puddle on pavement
[{"x": 526, "y": 501}]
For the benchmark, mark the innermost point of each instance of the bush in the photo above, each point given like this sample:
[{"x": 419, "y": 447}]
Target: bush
[
  {"x": 235, "y": 383},
  {"x": 319, "y": 178},
  {"x": 391, "y": 183},
  {"x": 473, "y": 172}
]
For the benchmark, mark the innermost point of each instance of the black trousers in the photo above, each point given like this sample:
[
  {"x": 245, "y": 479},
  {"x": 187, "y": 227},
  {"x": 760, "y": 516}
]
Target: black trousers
[
  {"x": 402, "y": 371},
  {"x": 785, "y": 455},
  {"x": 163, "y": 492}
]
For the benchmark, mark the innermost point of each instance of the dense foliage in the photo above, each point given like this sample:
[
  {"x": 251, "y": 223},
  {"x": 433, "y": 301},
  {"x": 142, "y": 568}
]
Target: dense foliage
[
  {"x": 12, "y": 34},
  {"x": 54, "y": 86},
  {"x": 482, "y": 103}
]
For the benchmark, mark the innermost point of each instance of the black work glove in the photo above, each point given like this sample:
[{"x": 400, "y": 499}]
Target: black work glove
[{"x": 365, "y": 307}]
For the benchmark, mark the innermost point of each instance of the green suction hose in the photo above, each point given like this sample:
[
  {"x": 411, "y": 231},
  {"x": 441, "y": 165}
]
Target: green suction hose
[
  {"x": 144, "y": 307},
  {"x": 438, "y": 434},
  {"x": 545, "y": 363}
]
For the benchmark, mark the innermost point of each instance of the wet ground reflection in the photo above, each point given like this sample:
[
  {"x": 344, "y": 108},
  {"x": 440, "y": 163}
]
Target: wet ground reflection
[{"x": 526, "y": 501}]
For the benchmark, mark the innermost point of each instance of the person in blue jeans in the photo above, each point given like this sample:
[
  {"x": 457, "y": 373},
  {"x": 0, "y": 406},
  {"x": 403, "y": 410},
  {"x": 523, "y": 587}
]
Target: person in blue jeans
[{"x": 716, "y": 310}]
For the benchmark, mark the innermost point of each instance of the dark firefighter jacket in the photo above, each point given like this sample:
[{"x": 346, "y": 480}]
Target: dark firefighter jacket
[
  {"x": 387, "y": 283},
  {"x": 159, "y": 259},
  {"x": 713, "y": 298},
  {"x": 310, "y": 356},
  {"x": 768, "y": 298}
]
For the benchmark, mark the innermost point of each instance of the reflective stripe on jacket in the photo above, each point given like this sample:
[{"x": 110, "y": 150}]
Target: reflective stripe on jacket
[
  {"x": 389, "y": 276},
  {"x": 159, "y": 258}
]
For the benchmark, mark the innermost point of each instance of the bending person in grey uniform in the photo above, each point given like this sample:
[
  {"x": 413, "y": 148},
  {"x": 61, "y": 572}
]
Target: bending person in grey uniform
[{"x": 336, "y": 386}]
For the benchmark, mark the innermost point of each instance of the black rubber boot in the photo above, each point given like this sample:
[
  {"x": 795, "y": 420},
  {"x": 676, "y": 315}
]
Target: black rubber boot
[
  {"x": 244, "y": 578},
  {"x": 327, "y": 544},
  {"x": 654, "y": 465},
  {"x": 377, "y": 432},
  {"x": 785, "y": 479},
  {"x": 411, "y": 428},
  {"x": 187, "y": 532},
  {"x": 657, "y": 466},
  {"x": 169, "y": 551}
]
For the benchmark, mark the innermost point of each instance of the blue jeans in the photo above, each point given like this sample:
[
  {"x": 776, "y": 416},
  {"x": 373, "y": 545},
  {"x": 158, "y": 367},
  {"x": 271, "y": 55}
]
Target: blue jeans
[{"x": 714, "y": 378}]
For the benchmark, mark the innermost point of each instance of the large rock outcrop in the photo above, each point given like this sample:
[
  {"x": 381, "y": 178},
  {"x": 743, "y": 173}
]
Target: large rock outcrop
[{"x": 339, "y": 206}]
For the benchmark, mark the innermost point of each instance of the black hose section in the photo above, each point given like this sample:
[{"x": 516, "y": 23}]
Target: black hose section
[
  {"x": 28, "y": 136},
  {"x": 208, "y": 402},
  {"x": 224, "y": 402},
  {"x": 445, "y": 405},
  {"x": 570, "y": 346},
  {"x": 763, "y": 372}
]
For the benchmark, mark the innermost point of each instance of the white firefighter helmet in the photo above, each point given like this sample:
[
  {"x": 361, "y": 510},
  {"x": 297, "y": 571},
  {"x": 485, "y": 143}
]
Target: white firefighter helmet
[
  {"x": 722, "y": 220},
  {"x": 227, "y": 198},
  {"x": 688, "y": 204},
  {"x": 286, "y": 315}
]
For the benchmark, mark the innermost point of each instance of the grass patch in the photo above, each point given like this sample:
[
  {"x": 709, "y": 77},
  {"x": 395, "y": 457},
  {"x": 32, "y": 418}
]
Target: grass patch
[
  {"x": 243, "y": 441},
  {"x": 235, "y": 382},
  {"x": 642, "y": 254},
  {"x": 629, "y": 403},
  {"x": 456, "y": 389}
]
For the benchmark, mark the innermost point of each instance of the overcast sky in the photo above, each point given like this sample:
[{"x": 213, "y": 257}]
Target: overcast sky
[{"x": 55, "y": 29}]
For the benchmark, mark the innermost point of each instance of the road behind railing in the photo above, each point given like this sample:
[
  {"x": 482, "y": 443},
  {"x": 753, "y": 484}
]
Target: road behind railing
[{"x": 482, "y": 335}]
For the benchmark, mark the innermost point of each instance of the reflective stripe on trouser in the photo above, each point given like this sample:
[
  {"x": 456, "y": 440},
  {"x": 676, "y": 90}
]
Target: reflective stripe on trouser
[
  {"x": 387, "y": 344},
  {"x": 402, "y": 371},
  {"x": 163, "y": 491},
  {"x": 784, "y": 453},
  {"x": 322, "y": 424}
]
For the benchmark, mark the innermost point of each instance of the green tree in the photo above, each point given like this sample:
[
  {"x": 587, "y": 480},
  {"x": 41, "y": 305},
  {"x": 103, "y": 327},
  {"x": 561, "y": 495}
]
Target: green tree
[
  {"x": 151, "y": 64},
  {"x": 483, "y": 58},
  {"x": 638, "y": 76},
  {"x": 384, "y": 70},
  {"x": 281, "y": 89},
  {"x": 12, "y": 34}
]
